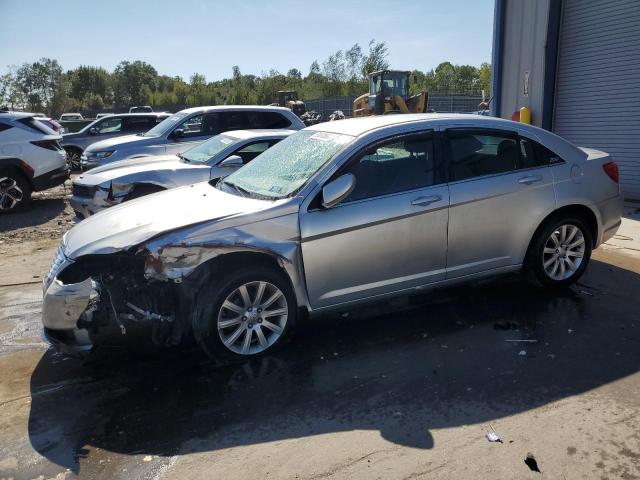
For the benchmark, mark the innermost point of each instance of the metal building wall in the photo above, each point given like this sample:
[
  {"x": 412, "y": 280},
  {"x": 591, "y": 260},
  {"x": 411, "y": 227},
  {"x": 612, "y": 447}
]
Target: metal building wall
[
  {"x": 523, "y": 54},
  {"x": 597, "y": 101}
]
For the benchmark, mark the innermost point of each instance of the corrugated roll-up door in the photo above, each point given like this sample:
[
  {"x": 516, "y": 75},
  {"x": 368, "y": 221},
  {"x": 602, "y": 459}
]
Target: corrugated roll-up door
[{"x": 598, "y": 84}]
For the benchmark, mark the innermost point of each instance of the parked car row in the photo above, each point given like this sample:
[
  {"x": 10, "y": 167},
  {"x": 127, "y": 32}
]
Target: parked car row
[{"x": 330, "y": 216}]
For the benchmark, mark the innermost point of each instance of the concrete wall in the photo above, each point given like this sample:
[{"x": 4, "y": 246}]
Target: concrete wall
[{"x": 523, "y": 53}]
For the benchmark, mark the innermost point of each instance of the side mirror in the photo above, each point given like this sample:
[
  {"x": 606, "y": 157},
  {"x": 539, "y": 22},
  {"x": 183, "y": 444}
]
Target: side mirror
[
  {"x": 178, "y": 133},
  {"x": 337, "y": 190},
  {"x": 233, "y": 161},
  {"x": 93, "y": 131}
]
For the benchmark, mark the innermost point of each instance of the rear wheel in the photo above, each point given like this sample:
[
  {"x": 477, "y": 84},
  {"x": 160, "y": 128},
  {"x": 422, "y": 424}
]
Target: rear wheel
[
  {"x": 15, "y": 192},
  {"x": 560, "y": 252},
  {"x": 253, "y": 312}
]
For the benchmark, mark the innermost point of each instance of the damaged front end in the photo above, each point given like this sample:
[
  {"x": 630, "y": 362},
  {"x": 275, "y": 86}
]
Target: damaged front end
[
  {"x": 88, "y": 200},
  {"x": 108, "y": 294}
]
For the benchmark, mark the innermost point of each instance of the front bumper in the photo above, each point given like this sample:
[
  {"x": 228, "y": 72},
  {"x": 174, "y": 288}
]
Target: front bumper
[
  {"x": 62, "y": 307},
  {"x": 51, "y": 179},
  {"x": 87, "y": 206}
]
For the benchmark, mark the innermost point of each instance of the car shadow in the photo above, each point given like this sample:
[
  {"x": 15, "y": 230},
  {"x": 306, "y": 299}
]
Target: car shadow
[
  {"x": 41, "y": 210},
  {"x": 402, "y": 368}
]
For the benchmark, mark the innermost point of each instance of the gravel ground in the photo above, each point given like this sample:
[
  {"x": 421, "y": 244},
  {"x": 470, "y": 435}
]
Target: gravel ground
[{"x": 48, "y": 218}]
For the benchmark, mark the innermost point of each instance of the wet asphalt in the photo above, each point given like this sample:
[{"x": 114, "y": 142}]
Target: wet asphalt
[{"x": 444, "y": 359}]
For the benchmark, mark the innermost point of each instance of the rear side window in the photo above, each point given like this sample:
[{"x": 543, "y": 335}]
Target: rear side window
[
  {"x": 267, "y": 120},
  {"x": 251, "y": 151},
  {"x": 477, "y": 153},
  {"x": 34, "y": 124},
  {"x": 4, "y": 126},
  {"x": 532, "y": 154},
  {"x": 138, "y": 124}
]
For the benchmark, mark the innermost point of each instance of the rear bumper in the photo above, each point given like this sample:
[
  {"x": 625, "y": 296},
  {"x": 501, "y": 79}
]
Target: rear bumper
[
  {"x": 610, "y": 217},
  {"x": 51, "y": 179}
]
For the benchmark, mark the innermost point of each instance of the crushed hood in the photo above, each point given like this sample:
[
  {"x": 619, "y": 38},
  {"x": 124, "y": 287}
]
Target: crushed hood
[
  {"x": 125, "y": 141},
  {"x": 129, "y": 224}
]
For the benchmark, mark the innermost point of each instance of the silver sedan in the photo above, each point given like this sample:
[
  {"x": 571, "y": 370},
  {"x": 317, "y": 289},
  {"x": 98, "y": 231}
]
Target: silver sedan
[
  {"x": 117, "y": 182},
  {"x": 335, "y": 215}
]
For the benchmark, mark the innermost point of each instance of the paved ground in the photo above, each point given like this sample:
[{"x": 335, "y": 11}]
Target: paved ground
[{"x": 404, "y": 391}]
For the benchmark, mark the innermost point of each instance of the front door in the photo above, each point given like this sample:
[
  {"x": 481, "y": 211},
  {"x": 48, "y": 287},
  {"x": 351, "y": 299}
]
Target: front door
[
  {"x": 499, "y": 192},
  {"x": 390, "y": 234},
  {"x": 195, "y": 129}
]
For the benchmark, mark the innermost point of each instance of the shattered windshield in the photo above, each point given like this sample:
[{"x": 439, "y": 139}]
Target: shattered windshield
[
  {"x": 284, "y": 168},
  {"x": 165, "y": 125},
  {"x": 207, "y": 150}
]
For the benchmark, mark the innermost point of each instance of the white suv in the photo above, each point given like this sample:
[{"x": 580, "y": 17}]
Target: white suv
[{"x": 31, "y": 159}]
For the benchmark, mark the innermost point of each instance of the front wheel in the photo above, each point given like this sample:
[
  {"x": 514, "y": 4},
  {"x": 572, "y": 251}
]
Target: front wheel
[
  {"x": 254, "y": 312},
  {"x": 560, "y": 252},
  {"x": 73, "y": 158}
]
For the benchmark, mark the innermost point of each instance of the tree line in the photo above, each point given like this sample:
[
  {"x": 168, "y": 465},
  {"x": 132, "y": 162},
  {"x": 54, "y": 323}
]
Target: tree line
[{"x": 44, "y": 86}]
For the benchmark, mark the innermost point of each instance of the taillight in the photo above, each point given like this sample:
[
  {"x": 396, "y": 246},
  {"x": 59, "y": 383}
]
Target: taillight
[{"x": 611, "y": 169}]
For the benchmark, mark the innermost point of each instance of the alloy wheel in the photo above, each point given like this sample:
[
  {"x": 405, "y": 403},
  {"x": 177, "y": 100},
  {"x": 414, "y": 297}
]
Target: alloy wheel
[
  {"x": 252, "y": 318},
  {"x": 563, "y": 252},
  {"x": 10, "y": 193}
]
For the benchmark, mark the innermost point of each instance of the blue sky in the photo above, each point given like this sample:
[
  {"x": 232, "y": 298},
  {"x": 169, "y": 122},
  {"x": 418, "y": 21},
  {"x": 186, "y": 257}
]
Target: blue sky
[{"x": 181, "y": 37}]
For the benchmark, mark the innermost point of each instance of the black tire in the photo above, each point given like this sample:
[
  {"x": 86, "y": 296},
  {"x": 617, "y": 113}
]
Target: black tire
[
  {"x": 12, "y": 185},
  {"x": 73, "y": 159},
  {"x": 534, "y": 263},
  {"x": 209, "y": 305}
]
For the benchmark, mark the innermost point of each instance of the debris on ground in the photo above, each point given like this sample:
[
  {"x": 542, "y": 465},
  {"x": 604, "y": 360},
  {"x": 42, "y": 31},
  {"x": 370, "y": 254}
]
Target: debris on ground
[
  {"x": 521, "y": 340},
  {"x": 311, "y": 117},
  {"x": 492, "y": 436},
  {"x": 586, "y": 293},
  {"x": 522, "y": 353},
  {"x": 337, "y": 115},
  {"x": 532, "y": 463}
]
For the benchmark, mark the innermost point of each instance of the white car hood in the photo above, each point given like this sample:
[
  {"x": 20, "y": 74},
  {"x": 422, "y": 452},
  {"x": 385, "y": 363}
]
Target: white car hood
[
  {"x": 129, "y": 224},
  {"x": 126, "y": 141}
]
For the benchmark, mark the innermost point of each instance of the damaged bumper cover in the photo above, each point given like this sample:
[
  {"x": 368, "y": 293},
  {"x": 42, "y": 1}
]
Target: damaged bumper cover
[
  {"x": 98, "y": 198},
  {"x": 63, "y": 306}
]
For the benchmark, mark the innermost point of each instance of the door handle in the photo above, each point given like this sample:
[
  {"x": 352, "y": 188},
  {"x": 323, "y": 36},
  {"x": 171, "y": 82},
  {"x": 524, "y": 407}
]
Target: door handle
[
  {"x": 424, "y": 201},
  {"x": 529, "y": 179}
]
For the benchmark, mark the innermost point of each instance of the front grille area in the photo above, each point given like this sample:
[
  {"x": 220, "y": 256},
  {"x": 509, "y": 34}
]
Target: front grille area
[{"x": 83, "y": 191}]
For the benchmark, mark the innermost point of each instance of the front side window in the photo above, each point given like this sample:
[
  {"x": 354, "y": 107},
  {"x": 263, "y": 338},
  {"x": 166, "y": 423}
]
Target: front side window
[
  {"x": 251, "y": 151},
  {"x": 166, "y": 125},
  {"x": 286, "y": 167},
  {"x": 192, "y": 127},
  {"x": 477, "y": 153},
  {"x": 396, "y": 166},
  {"x": 111, "y": 125}
]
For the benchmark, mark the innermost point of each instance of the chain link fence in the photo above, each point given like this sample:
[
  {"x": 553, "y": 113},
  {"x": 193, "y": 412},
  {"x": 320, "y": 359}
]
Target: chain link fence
[{"x": 439, "y": 102}]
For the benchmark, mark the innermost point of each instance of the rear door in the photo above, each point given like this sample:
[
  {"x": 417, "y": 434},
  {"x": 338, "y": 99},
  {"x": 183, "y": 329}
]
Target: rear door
[
  {"x": 499, "y": 192},
  {"x": 140, "y": 124}
]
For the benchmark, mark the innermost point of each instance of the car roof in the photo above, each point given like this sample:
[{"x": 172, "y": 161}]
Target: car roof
[
  {"x": 141, "y": 114},
  {"x": 361, "y": 125},
  {"x": 223, "y": 108},
  {"x": 257, "y": 133},
  {"x": 15, "y": 115}
]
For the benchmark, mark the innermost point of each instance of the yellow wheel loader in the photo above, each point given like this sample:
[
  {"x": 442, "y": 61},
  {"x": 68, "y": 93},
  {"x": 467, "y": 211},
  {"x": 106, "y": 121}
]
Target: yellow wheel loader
[
  {"x": 289, "y": 99},
  {"x": 389, "y": 93}
]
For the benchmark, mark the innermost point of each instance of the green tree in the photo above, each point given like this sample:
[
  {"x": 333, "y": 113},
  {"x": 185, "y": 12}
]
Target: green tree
[
  {"x": 376, "y": 59},
  {"x": 129, "y": 80}
]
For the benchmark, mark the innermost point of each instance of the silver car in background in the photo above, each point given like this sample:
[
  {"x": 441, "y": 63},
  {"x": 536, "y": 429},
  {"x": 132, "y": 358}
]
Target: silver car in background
[
  {"x": 118, "y": 182},
  {"x": 108, "y": 126},
  {"x": 334, "y": 215},
  {"x": 187, "y": 128}
]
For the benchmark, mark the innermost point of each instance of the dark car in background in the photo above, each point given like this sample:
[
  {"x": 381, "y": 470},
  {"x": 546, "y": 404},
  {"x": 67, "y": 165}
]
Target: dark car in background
[{"x": 108, "y": 127}]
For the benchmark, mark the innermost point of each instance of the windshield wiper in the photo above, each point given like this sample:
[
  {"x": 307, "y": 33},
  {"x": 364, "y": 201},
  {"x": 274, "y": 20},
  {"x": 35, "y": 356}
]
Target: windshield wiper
[
  {"x": 183, "y": 158},
  {"x": 241, "y": 191}
]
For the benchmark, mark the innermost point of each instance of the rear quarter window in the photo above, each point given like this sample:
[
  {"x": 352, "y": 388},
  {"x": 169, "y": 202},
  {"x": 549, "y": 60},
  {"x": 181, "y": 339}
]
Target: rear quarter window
[{"x": 4, "y": 126}]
